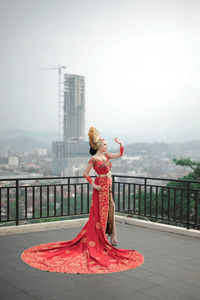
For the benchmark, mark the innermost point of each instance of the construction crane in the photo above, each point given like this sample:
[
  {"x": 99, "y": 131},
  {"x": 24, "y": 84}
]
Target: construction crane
[{"x": 60, "y": 99}]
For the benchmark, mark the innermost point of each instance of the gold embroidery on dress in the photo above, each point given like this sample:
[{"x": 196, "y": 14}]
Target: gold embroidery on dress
[{"x": 92, "y": 243}]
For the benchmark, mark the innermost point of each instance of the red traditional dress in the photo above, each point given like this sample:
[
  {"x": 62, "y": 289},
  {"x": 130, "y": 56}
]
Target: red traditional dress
[{"x": 90, "y": 251}]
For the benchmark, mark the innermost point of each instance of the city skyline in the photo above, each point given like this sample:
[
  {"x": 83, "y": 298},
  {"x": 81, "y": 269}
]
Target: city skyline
[{"x": 139, "y": 59}]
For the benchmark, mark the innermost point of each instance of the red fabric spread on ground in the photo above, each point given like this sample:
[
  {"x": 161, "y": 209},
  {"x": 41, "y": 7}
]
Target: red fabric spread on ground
[{"x": 90, "y": 251}]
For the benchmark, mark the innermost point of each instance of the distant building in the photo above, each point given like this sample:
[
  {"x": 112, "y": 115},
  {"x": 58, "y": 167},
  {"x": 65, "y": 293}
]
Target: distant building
[
  {"x": 70, "y": 155},
  {"x": 5, "y": 151},
  {"x": 13, "y": 161},
  {"x": 74, "y": 107},
  {"x": 3, "y": 160},
  {"x": 41, "y": 152}
]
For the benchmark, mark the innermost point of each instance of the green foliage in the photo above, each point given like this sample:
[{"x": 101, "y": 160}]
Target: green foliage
[{"x": 194, "y": 165}]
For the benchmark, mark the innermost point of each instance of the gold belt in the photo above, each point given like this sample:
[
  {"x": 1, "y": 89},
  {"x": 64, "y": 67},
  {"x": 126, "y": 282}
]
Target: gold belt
[{"x": 105, "y": 175}]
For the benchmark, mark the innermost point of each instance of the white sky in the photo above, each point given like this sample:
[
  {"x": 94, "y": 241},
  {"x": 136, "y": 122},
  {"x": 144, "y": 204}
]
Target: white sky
[{"x": 140, "y": 59}]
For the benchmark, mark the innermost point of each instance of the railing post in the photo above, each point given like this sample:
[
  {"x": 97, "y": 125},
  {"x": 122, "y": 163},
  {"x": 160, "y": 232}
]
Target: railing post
[
  {"x": 145, "y": 195},
  {"x": 17, "y": 202},
  {"x": 68, "y": 195},
  {"x": 188, "y": 205}
]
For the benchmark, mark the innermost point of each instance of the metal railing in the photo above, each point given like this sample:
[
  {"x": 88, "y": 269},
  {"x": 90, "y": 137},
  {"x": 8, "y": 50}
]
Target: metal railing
[
  {"x": 173, "y": 201},
  {"x": 169, "y": 200}
]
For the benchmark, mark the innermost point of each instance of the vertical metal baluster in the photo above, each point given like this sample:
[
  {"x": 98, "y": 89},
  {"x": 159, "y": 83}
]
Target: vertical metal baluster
[
  {"x": 55, "y": 201},
  {"x": 196, "y": 209},
  {"x": 118, "y": 196},
  {"x": 26, "y": 206},
  {"x": 188, "y": 206},
  {"x": 174, "y": 205},
  {"x": 8, "y": 204},
  {"x": 145, "y": 195},
  {"x": 168, "y": 203},
  {"x": 123, "y": 197},
  {"x": 61, "y": 200},
  {"x": 33, "y": 202},
  {"x": 47, "y": 200},
  {"x": 75, "y": 198},
  {"x": 139, "y": 198},
  {"x": 181, "y": 206},
  {"x": 151, "y": 201},
  {"x": 129, "y": 197},
  {"x": 162, "y": 209},
  {"x": 0, "y": 204},
  {"x": 40, "y": 201},
  {"x": 81, "y": 198},
  {"x": 156, "y": 201},
  {"x": 134, "y": 191},
  {"x": 17, "y": 202},
  {"x": 68, "y": 196}
]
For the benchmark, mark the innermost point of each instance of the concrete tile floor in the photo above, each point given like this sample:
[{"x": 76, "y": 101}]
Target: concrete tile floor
[{"x": 171, "y": 269}]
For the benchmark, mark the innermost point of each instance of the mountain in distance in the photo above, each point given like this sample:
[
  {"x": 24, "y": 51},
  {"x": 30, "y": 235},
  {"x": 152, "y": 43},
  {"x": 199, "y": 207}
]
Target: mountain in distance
[
  {"x": 23, "y": 144},
  {"x": 180, "y": 141},
  {"x": 20, "y": 140},
  {"x": 170, "y": 150},
  {"x": 153, "y": 136},
  {"x": 45, "y": 136},
  {"x": 12, "y": 134}
]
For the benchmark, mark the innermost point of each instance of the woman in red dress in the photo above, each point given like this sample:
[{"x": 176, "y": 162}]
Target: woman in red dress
[{"x": 90, "y": 251}]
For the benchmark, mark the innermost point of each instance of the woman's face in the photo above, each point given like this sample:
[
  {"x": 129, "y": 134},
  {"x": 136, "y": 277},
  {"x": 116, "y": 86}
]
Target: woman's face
[{"x": 103, "y": 146}]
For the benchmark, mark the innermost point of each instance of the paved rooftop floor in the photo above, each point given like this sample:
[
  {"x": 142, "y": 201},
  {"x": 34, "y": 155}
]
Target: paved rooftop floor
[{"x": 171, "y": 269}]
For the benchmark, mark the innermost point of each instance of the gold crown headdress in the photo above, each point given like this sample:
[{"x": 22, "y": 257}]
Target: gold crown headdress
[{"x": 94, "y": 137}]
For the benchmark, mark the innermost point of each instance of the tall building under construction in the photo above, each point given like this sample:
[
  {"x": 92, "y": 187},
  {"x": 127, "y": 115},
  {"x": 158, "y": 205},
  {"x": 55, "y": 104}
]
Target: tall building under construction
[
  {"x": 71, "y": 154},
  {"x": 74, "y": 107}
]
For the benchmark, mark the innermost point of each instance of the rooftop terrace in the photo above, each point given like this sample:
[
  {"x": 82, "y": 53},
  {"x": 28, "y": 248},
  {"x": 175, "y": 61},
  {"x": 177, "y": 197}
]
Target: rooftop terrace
[{"x": 171, "y": 268}]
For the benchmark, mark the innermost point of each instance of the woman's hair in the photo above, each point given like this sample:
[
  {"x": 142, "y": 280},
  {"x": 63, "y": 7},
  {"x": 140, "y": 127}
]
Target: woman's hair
[{"x": 92, "y": 151}]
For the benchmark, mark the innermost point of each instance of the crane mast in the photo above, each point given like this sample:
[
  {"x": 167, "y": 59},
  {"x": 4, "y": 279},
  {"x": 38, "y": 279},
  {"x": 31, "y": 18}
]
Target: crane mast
[{"x": 60, "y": 100}]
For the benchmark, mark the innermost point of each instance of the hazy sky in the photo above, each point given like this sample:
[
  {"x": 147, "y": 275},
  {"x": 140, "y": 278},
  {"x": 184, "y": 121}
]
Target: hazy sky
[{"x": 140, "y": 59}]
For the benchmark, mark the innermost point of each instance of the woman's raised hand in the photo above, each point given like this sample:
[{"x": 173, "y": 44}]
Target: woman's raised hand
[{"x": 117, "y": 140}]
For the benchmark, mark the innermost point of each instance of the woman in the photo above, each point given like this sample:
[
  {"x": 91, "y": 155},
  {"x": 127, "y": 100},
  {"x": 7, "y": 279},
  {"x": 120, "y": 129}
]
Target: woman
[
  {"x": 100, "y": 162},
  {"x": 90, "y": 251}
]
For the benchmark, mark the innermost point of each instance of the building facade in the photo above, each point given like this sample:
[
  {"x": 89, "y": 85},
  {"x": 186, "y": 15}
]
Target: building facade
[
  {"x": 71, "y": 154},
  {"x": 74, "y": 107},
  {"x": 69, "y": 159}
]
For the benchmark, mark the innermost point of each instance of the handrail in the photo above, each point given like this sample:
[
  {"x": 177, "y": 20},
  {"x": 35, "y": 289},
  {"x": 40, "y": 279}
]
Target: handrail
[{"x": 174, "y": 203}]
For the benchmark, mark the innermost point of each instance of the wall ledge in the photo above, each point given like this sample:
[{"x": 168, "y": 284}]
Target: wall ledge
[
  {"x": 42, "y": 226},
  {"x": 158, "y": 226},
  {"x": 81, "y": 222}
]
